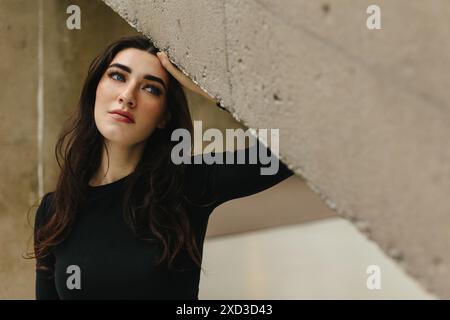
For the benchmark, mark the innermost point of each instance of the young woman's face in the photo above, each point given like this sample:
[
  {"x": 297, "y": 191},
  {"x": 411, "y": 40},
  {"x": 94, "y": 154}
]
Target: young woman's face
[{"x": 134, "y": 84}]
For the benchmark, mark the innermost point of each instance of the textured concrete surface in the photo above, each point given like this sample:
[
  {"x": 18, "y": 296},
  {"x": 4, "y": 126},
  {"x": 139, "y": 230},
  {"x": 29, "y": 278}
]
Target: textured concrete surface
[{"x": 363, "y": 115}]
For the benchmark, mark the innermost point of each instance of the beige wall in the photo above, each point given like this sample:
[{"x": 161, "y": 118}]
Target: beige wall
[{"x": 17, "y": 136}]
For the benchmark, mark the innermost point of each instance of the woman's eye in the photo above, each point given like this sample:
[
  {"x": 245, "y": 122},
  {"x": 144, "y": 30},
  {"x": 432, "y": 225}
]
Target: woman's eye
[
  {"x": 116, "y": 76},
  {"x": 155, "y": 90},
  {"x": 119, "y": 77}
]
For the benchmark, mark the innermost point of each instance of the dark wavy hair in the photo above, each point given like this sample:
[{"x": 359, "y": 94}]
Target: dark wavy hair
[{"x": 153, "y": 200}]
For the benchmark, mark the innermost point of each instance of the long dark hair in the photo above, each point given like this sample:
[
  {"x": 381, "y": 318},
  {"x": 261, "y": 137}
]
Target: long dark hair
[{"x": 153, "y": 200}]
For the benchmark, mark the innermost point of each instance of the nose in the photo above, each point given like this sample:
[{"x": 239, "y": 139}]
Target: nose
[{"x": 127, "y": 97}]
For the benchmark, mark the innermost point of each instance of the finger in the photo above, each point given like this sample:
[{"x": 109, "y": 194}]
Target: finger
[
  {"x": 169, "y": 66},
  {"x": 163, "y": 58}
]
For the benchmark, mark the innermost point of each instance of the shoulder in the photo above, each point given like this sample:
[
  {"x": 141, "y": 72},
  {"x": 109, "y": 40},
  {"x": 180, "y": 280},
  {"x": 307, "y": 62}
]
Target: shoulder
[{"x": 44, "y": 209}]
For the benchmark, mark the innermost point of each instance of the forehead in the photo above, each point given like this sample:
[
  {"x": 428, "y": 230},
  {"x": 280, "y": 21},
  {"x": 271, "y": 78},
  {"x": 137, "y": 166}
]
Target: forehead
[{"x": 141, "y": 63}]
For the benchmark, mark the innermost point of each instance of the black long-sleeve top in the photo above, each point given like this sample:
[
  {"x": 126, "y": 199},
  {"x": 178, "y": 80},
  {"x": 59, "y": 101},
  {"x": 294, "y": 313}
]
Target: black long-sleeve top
[{"x": 113, "y": 264}]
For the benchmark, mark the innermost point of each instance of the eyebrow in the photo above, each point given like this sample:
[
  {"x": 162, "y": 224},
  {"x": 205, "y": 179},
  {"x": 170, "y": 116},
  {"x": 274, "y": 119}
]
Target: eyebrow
[{"x": 147, "y": 76}]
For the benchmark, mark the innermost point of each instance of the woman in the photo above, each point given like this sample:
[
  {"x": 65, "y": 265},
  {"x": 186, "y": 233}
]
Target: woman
[{"x": 125, "y": 222}]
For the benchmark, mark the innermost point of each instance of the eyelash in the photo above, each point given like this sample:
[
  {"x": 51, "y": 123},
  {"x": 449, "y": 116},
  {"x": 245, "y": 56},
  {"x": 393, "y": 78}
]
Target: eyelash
[{"x": 113, "y": 73}]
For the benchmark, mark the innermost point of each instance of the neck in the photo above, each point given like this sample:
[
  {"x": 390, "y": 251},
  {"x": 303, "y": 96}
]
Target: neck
[{"x": 122, "y": 162}]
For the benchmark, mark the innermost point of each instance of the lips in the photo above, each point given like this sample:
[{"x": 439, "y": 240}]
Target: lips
[{"x": 125, "y": 114}]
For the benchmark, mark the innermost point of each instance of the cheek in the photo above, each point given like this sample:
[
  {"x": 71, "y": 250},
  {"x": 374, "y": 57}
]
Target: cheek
[
  {"x": 149, "y": 117},
  {"x": 104, "y": 92},
  {"x": 101, "y": 104},
  {"x": 104, "y": 95},
  {"x": 152, "y": 112}
]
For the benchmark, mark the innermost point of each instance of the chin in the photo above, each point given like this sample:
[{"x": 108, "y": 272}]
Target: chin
[{"x": 114, "y": 135}]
